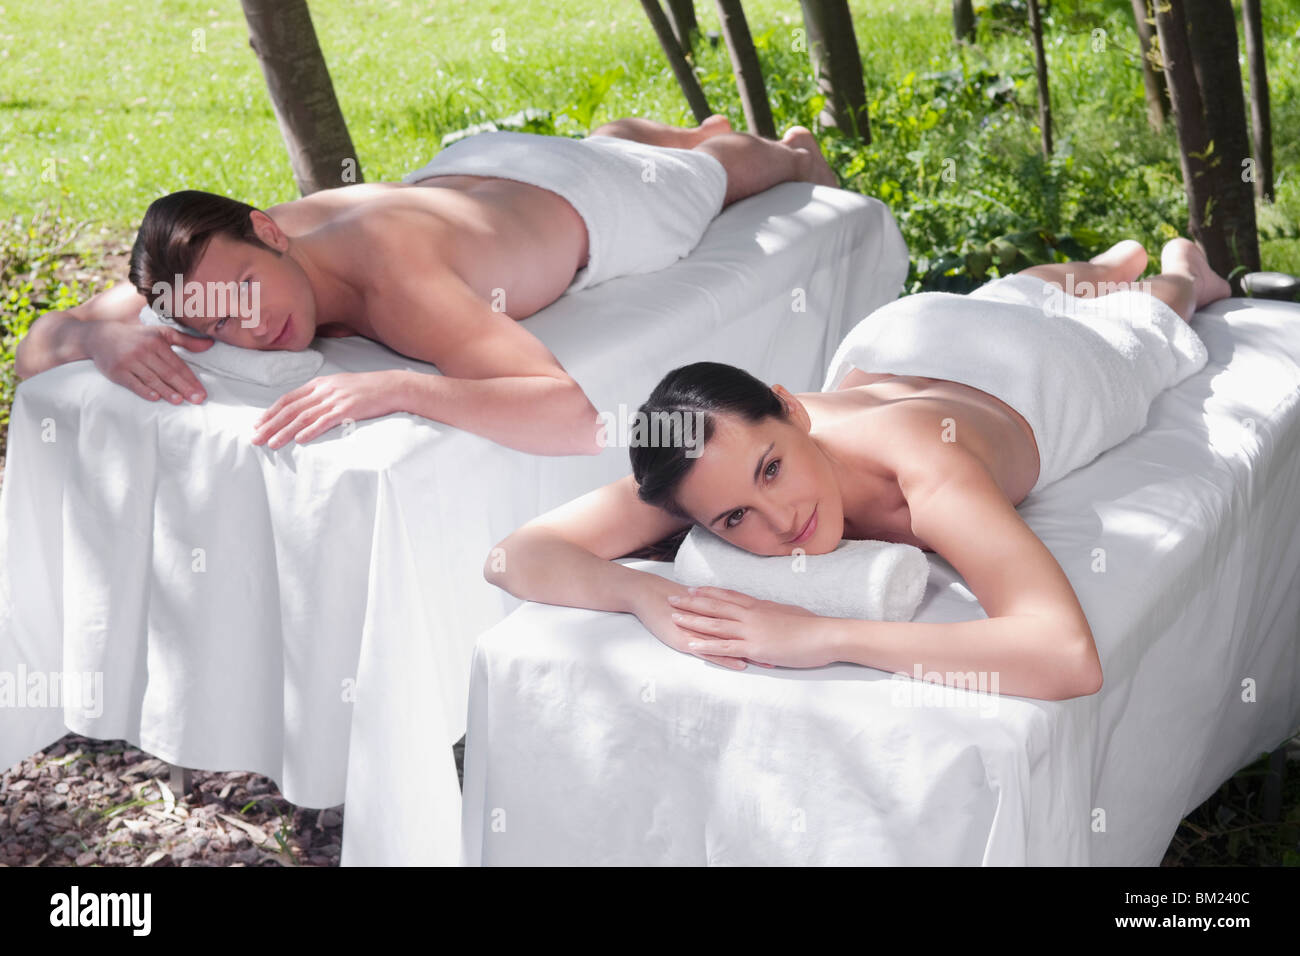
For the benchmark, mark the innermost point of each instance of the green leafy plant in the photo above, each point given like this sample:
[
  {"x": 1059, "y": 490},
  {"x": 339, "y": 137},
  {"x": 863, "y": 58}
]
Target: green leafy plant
[{"x": 34, "y": 252}]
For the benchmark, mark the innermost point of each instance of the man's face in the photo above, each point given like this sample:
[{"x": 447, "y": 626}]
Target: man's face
[
  {"x": 758, "y": 486},
  {"x": 252, "y": 297}
]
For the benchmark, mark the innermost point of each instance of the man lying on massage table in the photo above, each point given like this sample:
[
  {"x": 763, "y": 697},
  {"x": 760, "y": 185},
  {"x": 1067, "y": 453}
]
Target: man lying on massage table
[
  {"x": 896, "y": 449},
  {"x": 439, "y": 274}
]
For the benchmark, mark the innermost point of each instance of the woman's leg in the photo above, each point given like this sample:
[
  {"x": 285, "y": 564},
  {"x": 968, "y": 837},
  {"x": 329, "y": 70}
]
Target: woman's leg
[
  {"x": 1122, "y": 262},
  {"x": 1185, "y": 283}
]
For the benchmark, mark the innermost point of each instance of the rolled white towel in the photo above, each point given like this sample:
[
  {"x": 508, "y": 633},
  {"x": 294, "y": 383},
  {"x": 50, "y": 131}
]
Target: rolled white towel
[
  {"x": 270, "y": 367},
  {"x": 868, "y": 580}
]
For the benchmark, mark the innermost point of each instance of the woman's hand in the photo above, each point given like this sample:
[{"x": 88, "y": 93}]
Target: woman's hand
[
  {"x": 654, "y": 611},
  {"x": 319, "y": 405},
  {"x": 725, "y": 623}
]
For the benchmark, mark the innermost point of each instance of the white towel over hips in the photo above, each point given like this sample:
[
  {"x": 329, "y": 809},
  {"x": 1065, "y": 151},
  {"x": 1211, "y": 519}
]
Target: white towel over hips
[
  {"x": 1082, "y": 372},
  {"x": 645, "y": 206}
]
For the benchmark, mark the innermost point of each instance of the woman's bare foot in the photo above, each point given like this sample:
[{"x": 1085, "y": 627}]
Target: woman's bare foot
[
  {"x": 818, "y": 171},
  {"x": 1183, "y": 257},
  {"x": 1127, "y": 259}
]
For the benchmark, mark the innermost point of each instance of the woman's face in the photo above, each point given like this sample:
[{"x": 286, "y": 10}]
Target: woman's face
[{"x": 767, "y": 487}]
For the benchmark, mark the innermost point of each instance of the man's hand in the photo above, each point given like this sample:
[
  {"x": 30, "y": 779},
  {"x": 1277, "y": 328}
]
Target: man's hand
[
  {"x": 139, "y": 357},
  {"x": 730, "y": 624},
  {"x": 316, "y": 407}
]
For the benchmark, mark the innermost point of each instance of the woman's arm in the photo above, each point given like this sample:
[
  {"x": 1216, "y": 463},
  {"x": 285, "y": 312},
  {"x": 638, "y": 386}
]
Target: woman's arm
[
  {"x": 566, "y": 557},
  {"x": 1036, "y": 638},
  {"x": 1023, "y": 656},
  {"x": 1002, "y": 655}
]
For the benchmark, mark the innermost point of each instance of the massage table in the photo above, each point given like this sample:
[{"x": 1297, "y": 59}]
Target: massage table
[
  {"x": 309, "y": 613},
  {"x": 590, "y": 742}
]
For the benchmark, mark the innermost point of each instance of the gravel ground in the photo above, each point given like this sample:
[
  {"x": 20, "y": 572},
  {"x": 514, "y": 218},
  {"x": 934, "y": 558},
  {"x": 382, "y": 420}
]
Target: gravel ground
[
  {"x": 85, "y": 802},
  {"x": 88, "y": 802}
]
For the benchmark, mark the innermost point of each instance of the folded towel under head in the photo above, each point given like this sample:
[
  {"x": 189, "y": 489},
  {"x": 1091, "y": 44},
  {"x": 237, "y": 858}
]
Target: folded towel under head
[
  {"x": 270, "y": 367},
  {"x": 868, "y": 580}
]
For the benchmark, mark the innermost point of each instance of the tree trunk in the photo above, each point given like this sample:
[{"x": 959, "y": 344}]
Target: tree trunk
[
  {"x": 833, "y": 49},
  {"x": 677, "y": 60},
  {"x": 1212, "y": 37},
  {"x": 1261, "y": 121},
  {"x": 963, "y": 21},
  {"x": 1153, "y": 79},
  {"x": 1040, "y": 66},
  {"x": 744, "y": 63},
  {"x": 311, "y": 123},
  {"x": 685, "y": 26},
  {"x": 1193, "y": 135}
]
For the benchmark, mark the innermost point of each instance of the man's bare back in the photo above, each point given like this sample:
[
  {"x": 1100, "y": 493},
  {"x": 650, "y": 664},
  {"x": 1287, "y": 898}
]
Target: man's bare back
[{"x": 507, "y": 241}]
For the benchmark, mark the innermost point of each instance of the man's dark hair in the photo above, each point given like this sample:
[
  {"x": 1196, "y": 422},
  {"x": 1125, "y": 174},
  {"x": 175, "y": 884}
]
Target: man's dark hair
[{"x": 177, "y": 229}]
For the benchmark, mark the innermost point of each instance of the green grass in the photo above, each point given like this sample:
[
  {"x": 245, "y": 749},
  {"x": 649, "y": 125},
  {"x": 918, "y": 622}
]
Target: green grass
[{"x": 105, "y": 105}]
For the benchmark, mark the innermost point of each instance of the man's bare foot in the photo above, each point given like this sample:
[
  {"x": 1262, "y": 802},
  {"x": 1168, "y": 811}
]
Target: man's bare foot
[
  {"x": 1184, "y": 257},
  {"x": 818, "y": 171},
  {"x": 712, "y": 126},
  {"x": 1127, "y": 259}
]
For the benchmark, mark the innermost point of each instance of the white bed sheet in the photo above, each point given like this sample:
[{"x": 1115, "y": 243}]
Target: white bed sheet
[
  {"x": 310, "y": 613},
  {"x": 591, "y": 742}
]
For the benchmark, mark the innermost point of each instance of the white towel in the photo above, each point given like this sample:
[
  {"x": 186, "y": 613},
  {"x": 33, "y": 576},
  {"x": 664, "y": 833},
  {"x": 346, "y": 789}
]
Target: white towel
[
  {"x": 271, "y": 367},
  {"x": 645, "y": 206},
  {"x": 867, "y": 580},
  {"x": 1081, "y": 371}
]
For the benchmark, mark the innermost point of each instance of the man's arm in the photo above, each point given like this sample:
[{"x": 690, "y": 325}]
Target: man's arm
[
  {"x": 106, "y": 329},
  {"x": 498, "y": 380},
  {"x": 1036, "y": 637}
]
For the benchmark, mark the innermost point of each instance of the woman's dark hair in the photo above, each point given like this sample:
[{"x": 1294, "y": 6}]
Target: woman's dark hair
[
  {"x": 709, "y": 388},
  {"x": 177, "y": 229}
]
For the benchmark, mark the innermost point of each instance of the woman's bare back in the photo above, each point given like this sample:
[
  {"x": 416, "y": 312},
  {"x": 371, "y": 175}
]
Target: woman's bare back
[{"x": 919, "y": 410}]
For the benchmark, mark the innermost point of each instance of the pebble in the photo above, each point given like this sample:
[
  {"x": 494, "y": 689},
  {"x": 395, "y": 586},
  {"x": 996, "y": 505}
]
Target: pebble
[
  {"x": 53, "y": 804},
  {"x": 183, "y": 852},
  {"x": 331, "y": 817}
]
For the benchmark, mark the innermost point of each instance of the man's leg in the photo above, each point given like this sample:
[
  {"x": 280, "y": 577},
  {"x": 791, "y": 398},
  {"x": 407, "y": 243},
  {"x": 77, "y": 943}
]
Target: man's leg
[
  {"x": 661, "y": 134},
  {"x": 752, "y": 163}
]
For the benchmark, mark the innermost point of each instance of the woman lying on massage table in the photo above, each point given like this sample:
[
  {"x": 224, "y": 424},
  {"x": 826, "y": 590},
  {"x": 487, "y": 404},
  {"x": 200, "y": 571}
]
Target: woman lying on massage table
[{"x": 897, "y": 457}]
